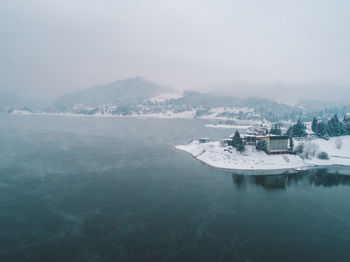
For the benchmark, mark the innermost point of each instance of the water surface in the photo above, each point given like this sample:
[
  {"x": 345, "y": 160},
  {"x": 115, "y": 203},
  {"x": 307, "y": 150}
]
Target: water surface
[{"x": 116, "y": 189}]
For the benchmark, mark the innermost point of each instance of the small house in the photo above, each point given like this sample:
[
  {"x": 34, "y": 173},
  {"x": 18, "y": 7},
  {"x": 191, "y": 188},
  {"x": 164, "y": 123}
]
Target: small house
[
  {"x": 226, "y": 142},
  {"x": 257, "y": 130},
  {"x": 277, "y": 144},
  {"x": 250, "y": 140},
  {"x": 204, "y": 140}
]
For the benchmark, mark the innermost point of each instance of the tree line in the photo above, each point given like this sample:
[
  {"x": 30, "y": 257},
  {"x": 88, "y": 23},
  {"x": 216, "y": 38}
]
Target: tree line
[
  {"x": 323, "y": 129},
  {"x": 332, "y": 127}
]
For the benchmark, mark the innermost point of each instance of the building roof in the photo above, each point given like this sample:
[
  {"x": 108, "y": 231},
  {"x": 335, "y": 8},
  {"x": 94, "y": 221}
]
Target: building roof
[{"x": 279, "y": 137}]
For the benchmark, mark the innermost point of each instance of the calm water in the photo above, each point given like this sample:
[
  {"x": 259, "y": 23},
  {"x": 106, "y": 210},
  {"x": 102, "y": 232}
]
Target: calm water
[{"x": 109, "y": 189}]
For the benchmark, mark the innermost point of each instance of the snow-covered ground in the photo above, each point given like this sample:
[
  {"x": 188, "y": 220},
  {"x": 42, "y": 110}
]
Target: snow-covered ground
[
  {"x": 165, "y": 114},
  {"x": 151, "y": 112},
  {"x": 189, "y": 114},
  {"x": 21, "y": 112},
  {"x": 228, "y": 126},
  {"x": 215, "y": 155},
  {"x": 169, "y": 114},
  {"x": 165, "y": 97},
  {"x": 338, "y": 149}
]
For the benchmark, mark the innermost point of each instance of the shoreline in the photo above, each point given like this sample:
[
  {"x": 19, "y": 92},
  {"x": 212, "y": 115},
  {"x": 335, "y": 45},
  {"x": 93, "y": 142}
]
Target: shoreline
[
  {"x": 253, "y": 170},
  {"x": 214, "y": 155},
  {"x": 184, "y": 115},
  {"x": 302, "y": 168}
]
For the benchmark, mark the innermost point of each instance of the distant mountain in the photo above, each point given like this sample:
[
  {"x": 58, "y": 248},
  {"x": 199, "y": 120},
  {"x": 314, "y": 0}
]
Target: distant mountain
[
  {"x": 194, "y": 98},
  {"x": 140, "y": 97},
  {"x": 316, "y": 105},
  {"x": 131, "y": 91}
]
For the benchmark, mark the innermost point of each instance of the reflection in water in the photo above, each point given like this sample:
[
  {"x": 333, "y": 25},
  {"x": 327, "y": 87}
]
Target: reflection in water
[{"x": 314, "y": 177}]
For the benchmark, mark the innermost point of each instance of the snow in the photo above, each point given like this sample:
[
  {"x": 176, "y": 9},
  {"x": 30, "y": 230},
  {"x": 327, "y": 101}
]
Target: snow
[
  {"x": 213, "y": 113},
  {"x": 146, "y": 111},
  {"x": 215, "y": 155},
  {"x": 21, "y": 112},
  {"x": 165, "y": 97},
  {"x": 228, "y": 126},
  {"x": 235, "y": 110},
  {"x": 222, "y": 157},
  {"x": 338, "y": 155},
  {"x": 170, "y": 114},
  {"x": 165, "y": 114}
]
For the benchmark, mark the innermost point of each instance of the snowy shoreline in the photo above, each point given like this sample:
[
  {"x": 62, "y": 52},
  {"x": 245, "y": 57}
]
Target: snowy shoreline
[
  {"x": 185, "y": 115},
  {"x": 214, "y": 155},
  {"x": 163, "y": 115},
  {"x": 166, "y": 114},
  {"x": 226, "y": 126}
]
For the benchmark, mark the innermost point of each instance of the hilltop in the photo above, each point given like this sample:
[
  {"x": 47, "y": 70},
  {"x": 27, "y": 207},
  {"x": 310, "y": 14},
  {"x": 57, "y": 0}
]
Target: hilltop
[{"x": 130, "y": 91}]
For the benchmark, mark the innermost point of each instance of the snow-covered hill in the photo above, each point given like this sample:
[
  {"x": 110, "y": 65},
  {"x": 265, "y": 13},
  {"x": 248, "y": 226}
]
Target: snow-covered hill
[
  {"x": 140, "y": 97},
  {"x": 131, "y": 91}
]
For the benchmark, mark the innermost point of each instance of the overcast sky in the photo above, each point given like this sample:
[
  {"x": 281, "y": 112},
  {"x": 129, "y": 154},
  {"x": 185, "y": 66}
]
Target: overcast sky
[{"x": 50, "y": 47}]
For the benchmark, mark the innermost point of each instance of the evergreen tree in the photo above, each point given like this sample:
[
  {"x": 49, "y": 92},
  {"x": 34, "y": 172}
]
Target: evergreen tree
[
  {"x": 291, "y": 144},
  {"x": 346, "y": 125},
  {"x": 334, "y": 126},
  {"x": 322, "y": 129},
  {"x": 261, "y": 145},
  {"x": 240, "y": 146},
  {"x": 276, "y": 130},
  {"x": 289, "y": 131},
  {"x": 237, "y": 142},
  {"x": 314, "y": 125},
  {"x": 236, "y": 139},
  {"x": 299, "y": 129}
]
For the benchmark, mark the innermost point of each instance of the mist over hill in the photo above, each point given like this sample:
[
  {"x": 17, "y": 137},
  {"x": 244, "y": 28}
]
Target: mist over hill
[
  {"x": 124, "y": 92},
  {"x": 141, "y": 97},
  {"x": 138, "y": 90}
]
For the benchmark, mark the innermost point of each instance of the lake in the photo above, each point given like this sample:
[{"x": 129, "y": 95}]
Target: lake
[{"x": 116, "y": 189}]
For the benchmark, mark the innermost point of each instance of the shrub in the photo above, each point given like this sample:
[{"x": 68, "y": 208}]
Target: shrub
[
  {"x": 311, "y": 149},
  {"x": 323, "y": 155},
  {"x": 299, "y": 148},
  {"x": 338, "y": 143},
  {"x": 240, "y": 147},
  {"x": 261, "y": 145}
]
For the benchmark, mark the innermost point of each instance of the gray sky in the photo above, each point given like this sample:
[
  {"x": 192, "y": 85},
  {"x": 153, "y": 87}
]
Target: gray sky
[{"x": 48, "y": 48}]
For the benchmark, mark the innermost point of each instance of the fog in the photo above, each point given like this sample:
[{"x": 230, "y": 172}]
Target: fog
[{"x": 279, "y": 49}]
